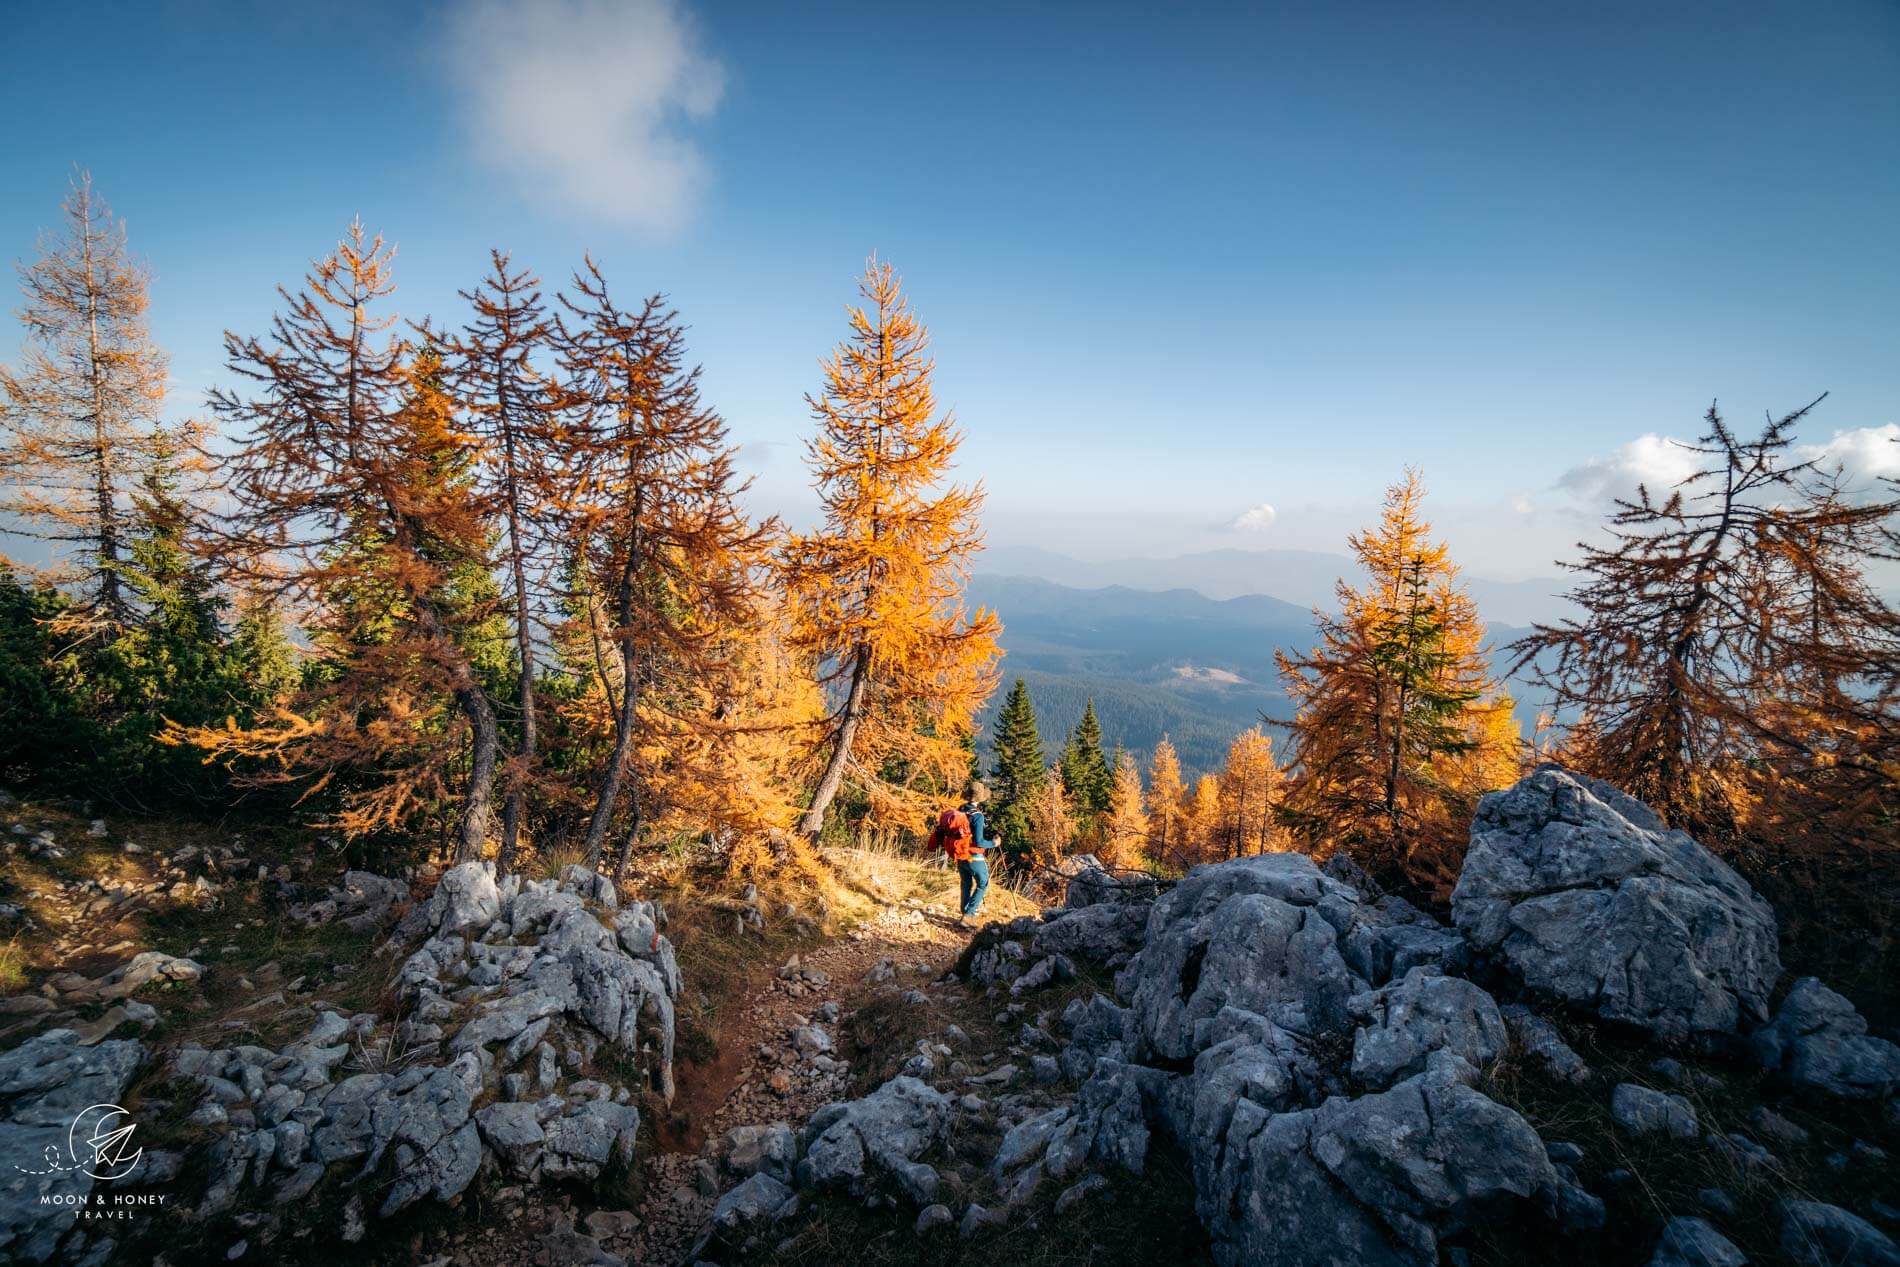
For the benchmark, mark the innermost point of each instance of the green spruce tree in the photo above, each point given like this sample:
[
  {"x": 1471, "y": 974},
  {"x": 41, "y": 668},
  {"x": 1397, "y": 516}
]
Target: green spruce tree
[
  {"x": 1016, "y": 770},
  {"x": 1085, "y": 767}
]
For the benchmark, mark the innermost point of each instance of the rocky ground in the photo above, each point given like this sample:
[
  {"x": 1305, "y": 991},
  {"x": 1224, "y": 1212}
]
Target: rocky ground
[{"x": 1598, "y": 1058}]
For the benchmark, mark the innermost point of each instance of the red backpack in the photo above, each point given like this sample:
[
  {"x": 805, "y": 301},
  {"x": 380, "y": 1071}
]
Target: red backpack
[{"x": 953, "y": 834}]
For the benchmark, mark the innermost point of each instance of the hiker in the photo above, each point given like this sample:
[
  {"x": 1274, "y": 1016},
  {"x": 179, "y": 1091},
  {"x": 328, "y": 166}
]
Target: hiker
[{"x": 964, "y": 837}]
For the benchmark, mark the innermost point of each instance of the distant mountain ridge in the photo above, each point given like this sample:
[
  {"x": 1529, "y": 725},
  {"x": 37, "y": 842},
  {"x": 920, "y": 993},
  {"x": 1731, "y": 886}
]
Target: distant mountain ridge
[
  {"x": 1304, "y": 578},
  {"x": 1170, "y": 661}
]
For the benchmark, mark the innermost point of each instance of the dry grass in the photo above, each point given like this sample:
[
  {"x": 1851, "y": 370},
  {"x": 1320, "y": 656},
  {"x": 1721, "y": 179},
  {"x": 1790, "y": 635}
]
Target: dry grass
[
  {"x": 12, "y": 966},
  {"x": 871, "y": 875}
]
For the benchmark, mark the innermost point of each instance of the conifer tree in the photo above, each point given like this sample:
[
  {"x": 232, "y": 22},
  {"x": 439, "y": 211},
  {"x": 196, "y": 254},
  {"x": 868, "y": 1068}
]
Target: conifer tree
[
  {"x": 1385, "y": 700},
  {"x": 1085, "y": 771},
  {"x": 655, "y": 515},
  {"x": 1167, "y": 813},
  {"x": 76, "y": 420},
  {"x": 1204, "y": 834},
  {"x": 347, "y": 489},
  {"x": 875, "y": 591},
  {"x": 1720, "y": 630},
  {"x": 1249, "y": 795},
  {"x": 515, "y": 406},
  {"x": 1125, "y": 832},
  {"x": 1051, "y": 825},
  {"x": 1016, "y": 769}
]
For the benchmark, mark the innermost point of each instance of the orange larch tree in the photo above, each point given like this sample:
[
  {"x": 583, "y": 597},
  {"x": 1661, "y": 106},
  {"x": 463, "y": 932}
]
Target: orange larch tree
[
  {"x": 1167, "y": 811},
  {"x": 875, "y": 592},
  {"x": 498, "y": 365},
  {"x": 1125, "y": 830},
  {"x": 78, "y": 418},
  {"x": 653, "y": 510},
  {"x": 347, "y": 488},
  {"x": 1250, "y": 794},
  {"x": 1387, "y": 698}
]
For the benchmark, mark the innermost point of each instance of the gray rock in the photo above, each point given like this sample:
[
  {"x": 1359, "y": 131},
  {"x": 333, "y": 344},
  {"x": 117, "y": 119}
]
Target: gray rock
[
  {"x": 1766, "y": 1122},
  {"x": 1820, "y": 1043},
  {"x": 1254, "y": 933},
  {"x": 513, "y": 1133},
  {"x": 933, "y": 1218},
  {"x": 1374, "y": 1181},
  {"x": 977, "y": 1219},
  {"x": 1585, "y": 895},
  {"x": 846, "y": 1145},
  {"x": 812, "y": 1041},
  {"x": 1409, "y": 1019},
  {"x": 1111, "y": 1121},
  {"x": 1390, "y": 937},
  {"x": 436, "y": 1146},
  {"x": 45, "y": 1083},
  {"x": 1578, "y": 1210},
  {"x": 1642, "y": 1111},
  {"x": 1091, "y": 884},
  {"x": 1253, "y": 1061},
  {"x": 1818, "y": 1235},
  {"x": 758, "y": 1200},
  {"x": 466, "y": 898},
  {"x": 589, "y": 1137},
  {"x": 1025, "y": 1141},
  {"x": 1096, "y": 1027},
  {"x": 1693, "y": 1242},
  {"x": 1044, "y": 972},
  {"x": 1538, "y": 1039},
  {"x": 1078, "y": 1192},
  {"x": 771, "y": 1149},
  {"x": 1106, "y": 934}
]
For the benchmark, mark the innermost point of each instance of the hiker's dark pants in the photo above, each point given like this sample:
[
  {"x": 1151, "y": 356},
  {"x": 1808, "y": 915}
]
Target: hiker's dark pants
[{"x": 974, "y": 878}]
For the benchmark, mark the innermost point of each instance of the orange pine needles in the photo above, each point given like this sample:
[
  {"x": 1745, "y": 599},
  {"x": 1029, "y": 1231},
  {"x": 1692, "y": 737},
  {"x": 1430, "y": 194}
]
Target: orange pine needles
[
  {"x": 78, "y": 419},
  {"x": 875, "y": 593},
  {"x": 347, "y": 489},
  {"x": 1399, "y": 721}
]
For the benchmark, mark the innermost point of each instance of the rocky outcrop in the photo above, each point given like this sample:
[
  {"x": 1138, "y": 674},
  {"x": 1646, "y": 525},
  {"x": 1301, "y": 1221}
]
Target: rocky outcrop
[
  {"x": 850, "y": 1145},
  {"x": 1584, "y": 895},
  {"x": 512, "y": 1000},
  {"x": 1374, "y": 1181},
  {"x": 46, "y": 1084},
  {"x": 1407, "y": 1020},
  {"x": 1819, "y": 1043},
  {"x": 1258, "y": 934},
  {"x": 1336, "y": 1067}
]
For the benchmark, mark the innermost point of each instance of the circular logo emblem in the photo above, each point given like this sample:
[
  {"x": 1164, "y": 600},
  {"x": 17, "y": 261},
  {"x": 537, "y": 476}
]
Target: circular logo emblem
[{"x": 100, "y": 1142}]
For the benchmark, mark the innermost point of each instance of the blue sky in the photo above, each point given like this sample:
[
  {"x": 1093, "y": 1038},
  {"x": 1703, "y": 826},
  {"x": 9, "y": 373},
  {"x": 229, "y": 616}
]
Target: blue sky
[{"x": 1177, "y": 267}]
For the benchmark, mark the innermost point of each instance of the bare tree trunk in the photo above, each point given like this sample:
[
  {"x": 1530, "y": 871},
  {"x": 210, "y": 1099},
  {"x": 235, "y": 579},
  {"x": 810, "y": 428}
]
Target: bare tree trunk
[
  {"x": 814, "y": 820},
  {"x": 111, "y": 597},
  {"x": 471, "y": 831},
  {"x": 524, "y": 640},
  {"x": 624, "y": 717},
  {"x": 632, "y": 837}
]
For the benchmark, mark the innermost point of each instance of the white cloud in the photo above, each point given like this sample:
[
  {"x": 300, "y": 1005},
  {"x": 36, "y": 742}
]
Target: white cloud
[
  {"x": 583, "y": 101},
  {"x": 1864, "y": 455},
  {"x": 1255, "y": 519},
  {"x": 1656, "y": 462},
  {"x": 1522, "y": 505}
]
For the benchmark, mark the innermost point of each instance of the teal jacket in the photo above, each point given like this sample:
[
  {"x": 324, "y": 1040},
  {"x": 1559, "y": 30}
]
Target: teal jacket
[{"x": 979, "y": 829}]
